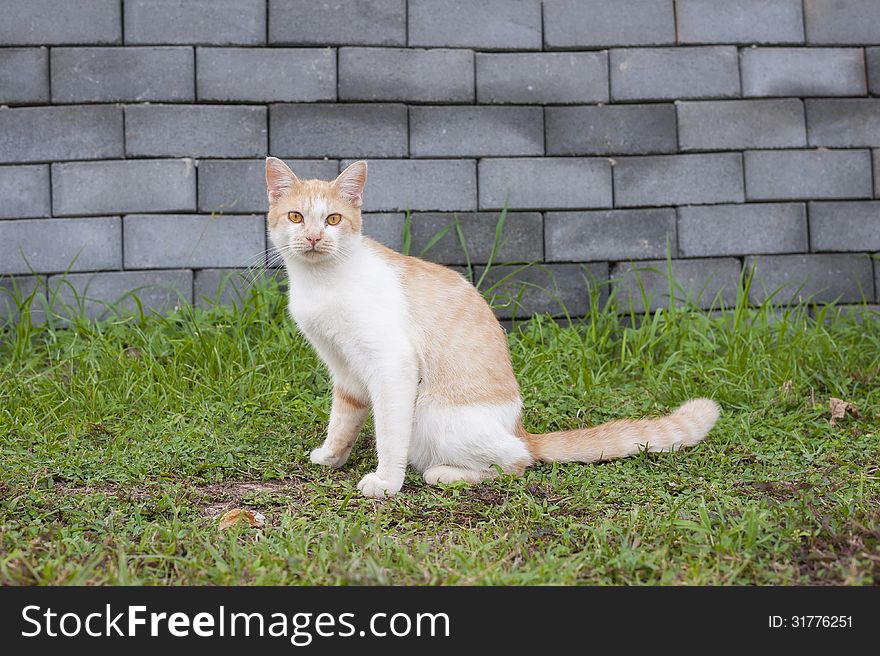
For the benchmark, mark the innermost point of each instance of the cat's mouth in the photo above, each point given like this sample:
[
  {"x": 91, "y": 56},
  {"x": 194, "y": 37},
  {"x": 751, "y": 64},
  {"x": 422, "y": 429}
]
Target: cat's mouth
[{"x": 313, "y": 253}]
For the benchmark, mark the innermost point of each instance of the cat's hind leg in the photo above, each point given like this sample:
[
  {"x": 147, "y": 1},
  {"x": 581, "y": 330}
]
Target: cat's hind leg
[
  {"x": 347, "y": 416},
  {"x": 449, "y": 474},
  {"x": 469, "y": 443}
]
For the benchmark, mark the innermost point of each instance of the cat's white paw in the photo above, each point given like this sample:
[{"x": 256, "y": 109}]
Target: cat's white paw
[
  {"x": 324, "y": 456},
  {"x": 373, "y": 486}
]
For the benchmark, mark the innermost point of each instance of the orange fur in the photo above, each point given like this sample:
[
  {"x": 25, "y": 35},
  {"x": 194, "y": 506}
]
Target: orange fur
[
  {"x": 464, "y": 354},
  {"x": 687, "y": 426}
]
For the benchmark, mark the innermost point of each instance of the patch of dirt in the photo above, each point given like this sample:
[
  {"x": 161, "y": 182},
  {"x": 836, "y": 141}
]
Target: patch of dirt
[
  {"x": 777, "y": 490},
  {"x": 213, "y": 499},
  {"x": 219, "y": 497},
  {"x": 842, "y": 557}
]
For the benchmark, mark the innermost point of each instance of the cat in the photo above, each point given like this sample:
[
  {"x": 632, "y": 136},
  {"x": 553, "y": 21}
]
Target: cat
[{"x": 416, "y": 343}]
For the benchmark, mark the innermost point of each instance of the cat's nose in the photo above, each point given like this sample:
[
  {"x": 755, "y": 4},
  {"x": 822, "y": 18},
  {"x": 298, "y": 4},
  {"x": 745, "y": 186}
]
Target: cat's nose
[{"x": 313, "y": 240}]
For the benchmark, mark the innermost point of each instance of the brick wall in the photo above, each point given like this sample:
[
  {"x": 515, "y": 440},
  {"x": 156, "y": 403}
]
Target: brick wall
[{"x": 728, "y": 133}]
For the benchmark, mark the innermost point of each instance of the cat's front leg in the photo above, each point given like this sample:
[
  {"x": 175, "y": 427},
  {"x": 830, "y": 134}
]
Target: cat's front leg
[
  {"x": 394, "y": 399},
  {"x": 347, "y": 416}
]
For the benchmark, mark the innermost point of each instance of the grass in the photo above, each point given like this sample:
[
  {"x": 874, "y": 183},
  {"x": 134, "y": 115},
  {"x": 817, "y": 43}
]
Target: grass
[{"x": 122, "y": 441}]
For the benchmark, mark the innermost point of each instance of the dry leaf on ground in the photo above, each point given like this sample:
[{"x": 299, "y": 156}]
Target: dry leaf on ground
[
  {"x": 230, "y": 517},
  {"x": 840, "y": 409}
]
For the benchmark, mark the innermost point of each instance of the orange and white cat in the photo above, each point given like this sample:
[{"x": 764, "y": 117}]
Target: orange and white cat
[{"x": 417, "y": 344}]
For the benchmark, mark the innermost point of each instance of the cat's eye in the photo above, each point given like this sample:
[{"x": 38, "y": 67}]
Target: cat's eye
[
  {"x": 333, "y": 219},
  {"x": 295, "y": 217}
]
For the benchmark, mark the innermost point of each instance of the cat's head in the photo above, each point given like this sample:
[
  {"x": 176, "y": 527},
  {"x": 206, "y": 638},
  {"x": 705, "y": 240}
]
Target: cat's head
[{"x": 314, "y": 220}]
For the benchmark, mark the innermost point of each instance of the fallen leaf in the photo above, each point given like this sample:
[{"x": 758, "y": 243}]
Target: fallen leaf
[
  {"x": 840, "y": 409},
  {"x": 231, "y": 517}
]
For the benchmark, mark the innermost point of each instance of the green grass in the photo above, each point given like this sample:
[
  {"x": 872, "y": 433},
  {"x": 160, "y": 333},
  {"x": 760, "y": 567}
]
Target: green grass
[{"x": 122, "y": 441}]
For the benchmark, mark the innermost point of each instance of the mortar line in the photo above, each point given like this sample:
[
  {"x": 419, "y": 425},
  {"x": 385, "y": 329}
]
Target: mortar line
[
  {"x": 50, "y": 100},
  {"x": 543, "y": 42},
  {"x": 195, "y": 75},
  {"x": 808, "y": 213},
  {"x": 675, "y": 21},
  {"x": 677, "y": 236},
  {"x": 608, "y": 73},
  {"x": 804, "y": 20}
]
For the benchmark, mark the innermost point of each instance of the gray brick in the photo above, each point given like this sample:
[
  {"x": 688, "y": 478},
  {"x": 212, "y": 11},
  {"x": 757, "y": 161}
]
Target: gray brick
[
  {"x": 555, "y": 289},
  {"x": 24, "y": 76},
  {"x": 592, "y": 23},
  {"x": 44, "y": 22},
  {"x": 476, "y": 131},
  {"x": 704, "y": 283},
  {"x": 842, "y": 21},
  {"x": 487, "y": 25},
  {"x": 100, "y": 295},
  {"x": 45, "y": 134},
  {"x": 739, "y": 21},
  {"x": 25, "y": 191},
  {"x": 810, "y": 278},
  {"x": 47, "y": 245},
  {"x": 195, "y": 241},
  {"x": 349, "y": 130},
  {"x": 15, "y": 292},
  {"x": 406, "y": 74},
  {"x": 123, "y": 186},
  {"x": 848, "y": 226},
  {"x": 542, "y": 77},
  {"x": 706, "y": 230},
  {"x": 363, "y": 23},
  {"x": 219, "y": 22},
  {"x": 266, "y": 75},
  {"x": 239, "y": 185},
  {"x": 385, "y": 228},
  {"x": 740, "y": 124},
  {"x": 840, "y": 123},
  {"x": 122, "y": 74},
  {"x": 420, "y": 185},
  {"x": 678, "y": 180},
  {"x": 804, "y": 174},
  {"x": 803, "y": 72},
  {"x": 549, "y": 182},
  {"x": 522, "y": 239},
  {"x": 611, "y": 130},
  {"x": 673, "y": 73},
  {"x": 872, "y": 57},
  {"x": 609, "y": 235},
  {"x": 195, "y": 131}
]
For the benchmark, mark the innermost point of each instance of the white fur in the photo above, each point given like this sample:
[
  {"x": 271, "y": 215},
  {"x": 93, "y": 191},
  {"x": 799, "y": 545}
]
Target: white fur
[
  {"x": 354, "y": 312},
  {"x": 472, "y": 437}
]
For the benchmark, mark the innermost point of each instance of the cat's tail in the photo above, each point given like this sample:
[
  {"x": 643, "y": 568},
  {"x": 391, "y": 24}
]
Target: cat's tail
[{"x": 617, "y": 439}]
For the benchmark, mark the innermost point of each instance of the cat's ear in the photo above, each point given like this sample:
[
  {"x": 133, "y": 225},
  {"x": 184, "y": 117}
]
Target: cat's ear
[
  {"x": 351, "y": 181},
  {"x": 279, "y": 179}
]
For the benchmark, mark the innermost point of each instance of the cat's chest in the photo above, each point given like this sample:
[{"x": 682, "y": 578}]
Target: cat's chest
[{"x": 358, "y": 301}]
